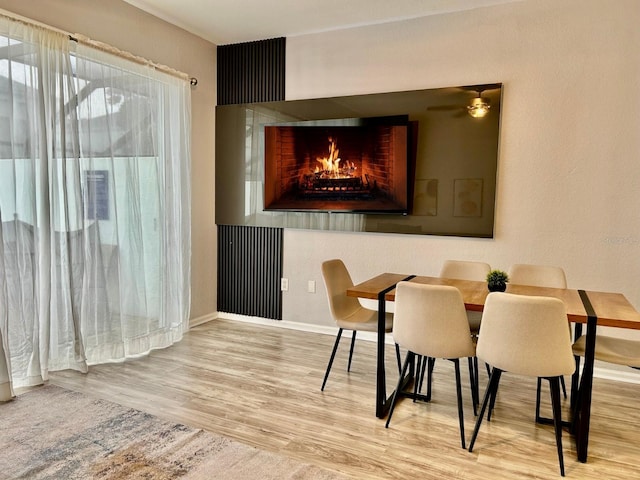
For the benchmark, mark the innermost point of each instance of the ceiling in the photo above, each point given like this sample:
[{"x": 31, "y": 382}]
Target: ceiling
[{"x": 234, "y": 21}]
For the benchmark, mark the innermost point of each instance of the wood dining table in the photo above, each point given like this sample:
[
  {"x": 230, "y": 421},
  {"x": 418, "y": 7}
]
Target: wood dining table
[{"x": 588, "y": 308}]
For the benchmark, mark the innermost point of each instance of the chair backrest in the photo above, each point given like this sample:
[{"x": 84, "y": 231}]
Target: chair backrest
[
  {"x": 337, "y": 280},
  {"x": 537, "y": 276},
  {"x": 526, "y": 335},
  {"x": 431, "y": 320},
  {"x": 465, "y": 270}
]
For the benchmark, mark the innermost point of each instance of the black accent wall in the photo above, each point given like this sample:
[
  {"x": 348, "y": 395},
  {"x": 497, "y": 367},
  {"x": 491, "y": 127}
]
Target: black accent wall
[
  {"x": 249, "y": 271},
  {"x": 250, "y": 258},
  {"x": 251, "y": 71}
]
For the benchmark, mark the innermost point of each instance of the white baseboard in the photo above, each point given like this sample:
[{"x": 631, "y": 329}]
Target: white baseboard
[
  {"x": 628, "y": 376},
  {"x": 194, "y": 322},
  {"x": 304, "y": 327},
  {"x": 599, "y": 371}
]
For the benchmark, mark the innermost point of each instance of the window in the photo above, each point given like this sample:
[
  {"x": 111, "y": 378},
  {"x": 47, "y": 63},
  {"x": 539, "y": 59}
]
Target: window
[{"x": 94, "y": 202}]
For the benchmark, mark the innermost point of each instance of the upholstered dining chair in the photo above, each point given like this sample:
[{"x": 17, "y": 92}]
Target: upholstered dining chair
[
  {"x": 618, "y": 351},
  {"x": 431, "y": 321},
  {"x": 347, "y": 312},
  {"x": 525, "y": 335},
  {"x": 539, "y": 276},
  {"x": 468, "y": 270}
]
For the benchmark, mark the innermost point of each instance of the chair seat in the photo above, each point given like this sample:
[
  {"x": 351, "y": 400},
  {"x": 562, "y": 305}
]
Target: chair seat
[
  {"x": 365, "y": 320},
  {"x": 612, "y": 350}
]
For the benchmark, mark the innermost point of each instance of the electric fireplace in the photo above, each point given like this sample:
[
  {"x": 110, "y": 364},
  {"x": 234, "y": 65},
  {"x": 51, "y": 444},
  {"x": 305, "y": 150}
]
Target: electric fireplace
[{"x": 360, "y": 168}]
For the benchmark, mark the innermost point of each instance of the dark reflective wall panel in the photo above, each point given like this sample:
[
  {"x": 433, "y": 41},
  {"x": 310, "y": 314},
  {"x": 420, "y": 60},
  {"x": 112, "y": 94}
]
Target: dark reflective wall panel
[{"x": 452, "y": 182}]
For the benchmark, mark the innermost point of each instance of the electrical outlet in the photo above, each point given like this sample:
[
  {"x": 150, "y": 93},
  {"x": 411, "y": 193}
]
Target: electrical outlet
[
  {"x": 311, "y": 286},
  {"x": 284, "y": 284}
]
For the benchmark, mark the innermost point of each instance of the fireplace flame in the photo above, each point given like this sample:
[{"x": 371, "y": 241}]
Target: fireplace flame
[{"x": 331, "y": 164}]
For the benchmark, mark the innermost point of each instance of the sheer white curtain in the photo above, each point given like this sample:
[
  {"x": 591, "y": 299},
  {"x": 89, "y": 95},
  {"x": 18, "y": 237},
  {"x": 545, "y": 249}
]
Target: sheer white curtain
[
  {"x": 95, "y": 204},
  {"x": 6, "y": 390}
]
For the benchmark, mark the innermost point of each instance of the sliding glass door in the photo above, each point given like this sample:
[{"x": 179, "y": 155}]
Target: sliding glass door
[{"x": 94, "y": 204}]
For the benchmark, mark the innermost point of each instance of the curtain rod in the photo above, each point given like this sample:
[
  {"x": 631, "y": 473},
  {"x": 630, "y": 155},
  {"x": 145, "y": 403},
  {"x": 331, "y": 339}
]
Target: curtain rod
[{"x": 84, "y": 40}]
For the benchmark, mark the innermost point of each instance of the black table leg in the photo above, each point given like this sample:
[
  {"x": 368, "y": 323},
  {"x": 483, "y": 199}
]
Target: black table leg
[
  {"x": 381, "y": 381},
  {"x": 582, "y": 413},
  {"x": 382, "y": 402}
]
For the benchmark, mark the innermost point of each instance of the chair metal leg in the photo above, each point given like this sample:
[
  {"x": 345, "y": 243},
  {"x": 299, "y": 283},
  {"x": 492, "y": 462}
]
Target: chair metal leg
[
  {"x": 539, "y": 419},
  {"x": 426, "y": 366},
  {"x": 333, "y": 354},
  {"x": 492, "y": 402},
  {"x": 575, "y": 379},
  {"x": 477, "y": 374},
  {"x": 554, "y": 385},
  {"x": 398, "y": 358},
  {"x": 417, "y": 381},
  {"x": 421, "y": 367},
  {"x": 494, "y": 380},
  {"x": 396, "y": 393},
  {"x": 431, "y": 364},
  {"x": 456, "y": 364},
  {"x": 353, "y": 343},
  {"x": 474, "y": 386}
]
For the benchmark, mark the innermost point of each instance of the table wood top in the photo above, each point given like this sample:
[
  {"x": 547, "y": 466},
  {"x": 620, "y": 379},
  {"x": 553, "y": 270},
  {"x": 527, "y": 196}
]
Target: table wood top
[{"x": 612, "y": 309}]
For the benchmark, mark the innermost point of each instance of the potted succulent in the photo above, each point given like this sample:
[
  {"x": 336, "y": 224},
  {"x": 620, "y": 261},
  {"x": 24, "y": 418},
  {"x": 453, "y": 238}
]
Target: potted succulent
[{"x": 497, "y": 281}]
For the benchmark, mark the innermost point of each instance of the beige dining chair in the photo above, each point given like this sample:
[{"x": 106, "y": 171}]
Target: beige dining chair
[
  {"x": 347, "y": 312},
  {"x": 468, "y": 270},
  {"x": 618, "y": 351},
  {"x": 525, "y": 335},
  {"x": 539, "y": 276},
  {"x": 430, "y": 321}
]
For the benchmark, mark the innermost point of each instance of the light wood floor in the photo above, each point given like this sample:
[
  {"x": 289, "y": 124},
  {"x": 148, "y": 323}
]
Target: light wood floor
[{"x": 261, "y": 386}]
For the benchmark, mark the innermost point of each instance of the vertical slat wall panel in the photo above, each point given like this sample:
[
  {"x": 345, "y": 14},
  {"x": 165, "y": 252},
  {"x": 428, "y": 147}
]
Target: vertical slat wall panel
[
  {"x": 250, "y": 258},
  {"x": 251, "y": 72},
  {"x": 249, "y": 270}
]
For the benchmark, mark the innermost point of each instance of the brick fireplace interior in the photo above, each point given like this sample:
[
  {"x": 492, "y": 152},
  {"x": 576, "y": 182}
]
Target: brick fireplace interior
[{"x": 354, "y": 168}]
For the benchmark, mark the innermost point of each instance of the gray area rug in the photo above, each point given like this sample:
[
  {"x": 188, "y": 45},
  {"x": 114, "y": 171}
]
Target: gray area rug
[{"x": 54, "y": 433}]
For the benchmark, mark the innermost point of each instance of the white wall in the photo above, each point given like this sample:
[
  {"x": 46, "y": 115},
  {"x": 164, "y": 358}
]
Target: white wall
[{"x": 568, "y": 174}]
